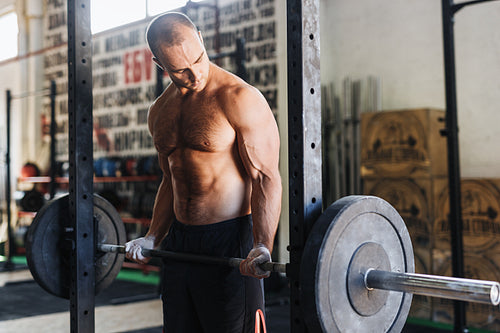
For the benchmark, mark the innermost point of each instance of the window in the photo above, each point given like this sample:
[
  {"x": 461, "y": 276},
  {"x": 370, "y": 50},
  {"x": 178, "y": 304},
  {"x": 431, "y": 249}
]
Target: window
[
  {"x": 156, "y": 7},
  {"x": 9, "y": 28},
  {"x": 107, "y": 14}
]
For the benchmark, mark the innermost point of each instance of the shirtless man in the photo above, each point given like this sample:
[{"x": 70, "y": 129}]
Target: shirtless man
[{"x": 218, "y": 148}]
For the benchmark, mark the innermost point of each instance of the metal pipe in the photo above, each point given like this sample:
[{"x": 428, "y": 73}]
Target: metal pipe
[
  {"x": 461, "y": 289},
  {"x": 194, "y": 258}
]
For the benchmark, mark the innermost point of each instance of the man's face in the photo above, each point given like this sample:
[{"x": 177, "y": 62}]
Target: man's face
[{"x": 187, "y": 64}]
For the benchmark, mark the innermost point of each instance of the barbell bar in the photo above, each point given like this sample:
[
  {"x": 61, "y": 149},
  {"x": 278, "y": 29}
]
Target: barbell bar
[
  {"x": 195, "y": 258},
  {"x": 468, "y": 290},
  {"x": 462, "y": 289},
  {"x": 357, "y": 270}
]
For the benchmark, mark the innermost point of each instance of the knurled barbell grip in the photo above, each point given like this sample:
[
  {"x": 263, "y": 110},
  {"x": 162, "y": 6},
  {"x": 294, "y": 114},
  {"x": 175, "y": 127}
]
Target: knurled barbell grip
[
  {"x": 196, "y": 258},
  {"x": 461, "y": 289}
]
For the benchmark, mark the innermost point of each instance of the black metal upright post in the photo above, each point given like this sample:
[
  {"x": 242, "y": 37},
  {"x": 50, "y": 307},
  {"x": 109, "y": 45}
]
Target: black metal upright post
[
  {"x": 53, "y": 171},
  {"x": 304, "y": 138},
  {"x": 82, "y": 299},
  {"x": 455, "y": 219},
  {"x": 8, "y": 265}
]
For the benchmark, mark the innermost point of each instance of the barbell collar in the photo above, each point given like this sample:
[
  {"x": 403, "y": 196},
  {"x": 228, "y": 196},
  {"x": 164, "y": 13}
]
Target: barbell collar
[
  {"x": 468, "y": 290},
  {"x": 194, "y": 258}
]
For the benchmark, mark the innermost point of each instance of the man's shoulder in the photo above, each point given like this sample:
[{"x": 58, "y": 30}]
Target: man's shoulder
[
  {"x": 233, "y": 87},
  {"x": 161, "y": 101},
  {"x": 160, "y": 104},
  {"x": 241, "y": 101}
]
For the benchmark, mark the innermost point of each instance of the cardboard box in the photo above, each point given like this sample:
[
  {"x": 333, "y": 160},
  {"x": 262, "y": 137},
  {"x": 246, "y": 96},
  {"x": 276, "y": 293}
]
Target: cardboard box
[{"x": 403, "y": 143}]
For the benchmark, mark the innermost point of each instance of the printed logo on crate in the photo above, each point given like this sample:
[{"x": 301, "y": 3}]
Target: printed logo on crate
[
  {"x": 395, "y": 144},
  {"x": 402, "y": 143},
  {"x": 480, "y": 215},
  {"x": 411, "y": 203}
]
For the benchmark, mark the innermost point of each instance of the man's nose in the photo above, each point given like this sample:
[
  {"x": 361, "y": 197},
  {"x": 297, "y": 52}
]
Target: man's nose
[{"x": 194, "y": 73}]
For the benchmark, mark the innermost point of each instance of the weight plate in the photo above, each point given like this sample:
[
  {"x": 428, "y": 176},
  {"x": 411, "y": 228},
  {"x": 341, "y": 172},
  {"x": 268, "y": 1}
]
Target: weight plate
[
  {"x": 48, "y": 245},
  {"x": 345, "y": 227}
]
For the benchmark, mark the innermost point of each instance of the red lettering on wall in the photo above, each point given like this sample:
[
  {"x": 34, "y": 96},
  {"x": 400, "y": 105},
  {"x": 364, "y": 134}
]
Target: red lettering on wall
[
  {"x": 126, "y": 64},
  {"x": 138, "y": 66}
]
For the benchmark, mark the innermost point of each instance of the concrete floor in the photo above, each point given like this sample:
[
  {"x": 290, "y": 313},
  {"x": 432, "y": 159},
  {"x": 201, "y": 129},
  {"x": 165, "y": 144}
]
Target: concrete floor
[{"x": 113, "y": 318}]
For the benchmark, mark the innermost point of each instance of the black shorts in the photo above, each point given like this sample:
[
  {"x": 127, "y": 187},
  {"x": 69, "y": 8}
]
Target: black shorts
[{"x": 210, "y": 298}]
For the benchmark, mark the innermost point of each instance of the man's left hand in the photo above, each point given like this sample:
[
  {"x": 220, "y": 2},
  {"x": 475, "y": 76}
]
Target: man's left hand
[{"x": 250, "y": 266}]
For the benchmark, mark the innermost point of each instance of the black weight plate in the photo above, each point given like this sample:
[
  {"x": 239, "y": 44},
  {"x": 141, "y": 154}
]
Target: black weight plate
[
  {"x": 48, "y": 250},
  {"x": 341, "y": 230},
  {"x": 110, "y": 230}
]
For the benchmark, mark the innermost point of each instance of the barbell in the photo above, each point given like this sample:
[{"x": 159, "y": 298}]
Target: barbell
[{"x": 357, "y": 271}]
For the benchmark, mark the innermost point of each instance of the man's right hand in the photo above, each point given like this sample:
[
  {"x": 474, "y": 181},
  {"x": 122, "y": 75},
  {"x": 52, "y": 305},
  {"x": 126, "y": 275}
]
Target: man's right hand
[
  {"x": 250, "y": 266},
  {"x": 133, "y": 249}
]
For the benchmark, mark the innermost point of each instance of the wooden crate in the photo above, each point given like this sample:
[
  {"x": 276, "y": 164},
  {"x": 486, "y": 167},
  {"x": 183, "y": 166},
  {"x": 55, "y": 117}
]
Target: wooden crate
[
  {"x": 424, "y": 205},
  {"x": 480, "y": 215},
  {"x": 413, "y": 199},
  {"x": 403, "y": 143}
]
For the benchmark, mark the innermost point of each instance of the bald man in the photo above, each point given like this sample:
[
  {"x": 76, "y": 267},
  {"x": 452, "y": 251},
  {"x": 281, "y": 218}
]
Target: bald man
[{"x": 218, "y": 148}]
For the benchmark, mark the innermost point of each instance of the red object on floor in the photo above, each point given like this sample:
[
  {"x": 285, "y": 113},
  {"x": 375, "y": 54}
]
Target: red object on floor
[{"x": 260, "y": 322}]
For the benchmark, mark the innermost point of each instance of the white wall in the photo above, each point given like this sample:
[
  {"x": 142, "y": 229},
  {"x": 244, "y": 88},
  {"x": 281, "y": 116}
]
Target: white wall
[{"x": 401, "y": 42}]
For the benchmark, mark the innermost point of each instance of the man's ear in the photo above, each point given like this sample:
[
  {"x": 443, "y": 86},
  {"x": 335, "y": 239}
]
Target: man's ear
[
  {"x": 201, "y": 37},
  {"x": 157, "y": 62}
]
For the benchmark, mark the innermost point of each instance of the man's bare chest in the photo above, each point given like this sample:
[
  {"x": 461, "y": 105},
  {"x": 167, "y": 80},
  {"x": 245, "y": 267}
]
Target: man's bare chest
[{"x": 197, "y": 127}]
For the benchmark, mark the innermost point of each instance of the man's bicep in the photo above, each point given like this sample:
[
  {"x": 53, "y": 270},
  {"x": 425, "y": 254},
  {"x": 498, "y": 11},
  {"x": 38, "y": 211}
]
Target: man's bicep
[{"x": 258, "y": 141}]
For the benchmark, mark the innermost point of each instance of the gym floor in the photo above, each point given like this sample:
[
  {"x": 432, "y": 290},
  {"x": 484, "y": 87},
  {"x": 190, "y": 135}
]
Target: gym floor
[{"x": 130, "y": 305}]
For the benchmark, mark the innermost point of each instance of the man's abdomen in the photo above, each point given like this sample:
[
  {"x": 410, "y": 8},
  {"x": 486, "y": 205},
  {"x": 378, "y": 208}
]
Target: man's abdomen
[{"x": 210, "y": 189}]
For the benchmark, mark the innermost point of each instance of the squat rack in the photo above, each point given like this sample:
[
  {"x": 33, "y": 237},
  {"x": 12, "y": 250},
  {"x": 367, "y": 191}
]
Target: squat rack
[{"x": 304, "y": 149}]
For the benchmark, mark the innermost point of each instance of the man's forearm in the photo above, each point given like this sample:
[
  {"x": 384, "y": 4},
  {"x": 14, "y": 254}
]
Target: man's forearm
[
  {"x": 266, "y": 208},
  {"x": 163, "y": 216}
]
